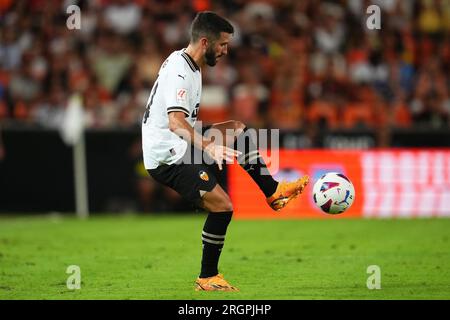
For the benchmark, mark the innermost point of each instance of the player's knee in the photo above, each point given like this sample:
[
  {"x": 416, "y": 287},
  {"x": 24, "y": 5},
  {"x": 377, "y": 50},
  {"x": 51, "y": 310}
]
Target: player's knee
[
  {"x": 223, "y": 204},
  {"x": 227, "y": 206}
]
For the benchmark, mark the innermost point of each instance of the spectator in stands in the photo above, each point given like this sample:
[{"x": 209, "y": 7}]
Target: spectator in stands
[
  {"x": 249, "y": 96},
  {"x": 125, "y": 41},
  {"x": 296, "y": 65},
  {"x": 122, "y": 16},
  {"x": 286, "y": 109},
  {"x": 110, "y": 60}
]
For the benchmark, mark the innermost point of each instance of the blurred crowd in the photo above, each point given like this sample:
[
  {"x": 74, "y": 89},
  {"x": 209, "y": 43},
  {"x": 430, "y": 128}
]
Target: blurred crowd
[{"x": 291, "y": 65}]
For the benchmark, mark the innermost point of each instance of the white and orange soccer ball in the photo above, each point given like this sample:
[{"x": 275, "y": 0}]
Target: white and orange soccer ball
[{"x": 333, "y": 193}]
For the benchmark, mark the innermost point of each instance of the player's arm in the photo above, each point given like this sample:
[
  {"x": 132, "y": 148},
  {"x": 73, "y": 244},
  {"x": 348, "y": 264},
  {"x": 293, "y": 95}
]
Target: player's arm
[{"x": 181, "y": 127}]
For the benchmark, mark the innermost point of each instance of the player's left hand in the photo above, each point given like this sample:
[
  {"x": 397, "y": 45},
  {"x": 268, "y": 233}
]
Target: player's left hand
[{"x": 219, "y": 153}]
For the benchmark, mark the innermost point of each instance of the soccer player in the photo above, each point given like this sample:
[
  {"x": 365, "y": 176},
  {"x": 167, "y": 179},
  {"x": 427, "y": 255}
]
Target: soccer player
[{"x": 169, "y": 141}]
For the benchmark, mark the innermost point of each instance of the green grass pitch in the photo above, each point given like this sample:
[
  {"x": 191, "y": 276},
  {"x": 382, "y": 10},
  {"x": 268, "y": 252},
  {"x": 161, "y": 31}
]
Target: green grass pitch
[{"x": 158, "y": 257}]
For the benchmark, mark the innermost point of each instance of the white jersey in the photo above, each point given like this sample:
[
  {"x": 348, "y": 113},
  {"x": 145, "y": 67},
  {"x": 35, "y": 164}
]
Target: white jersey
[{"x": 177, "y": 88}]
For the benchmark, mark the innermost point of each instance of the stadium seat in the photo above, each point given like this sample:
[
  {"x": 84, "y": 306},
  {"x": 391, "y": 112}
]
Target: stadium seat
[
  {"x": 357, "y": 114},
  {"x": 321, "y": 110}
]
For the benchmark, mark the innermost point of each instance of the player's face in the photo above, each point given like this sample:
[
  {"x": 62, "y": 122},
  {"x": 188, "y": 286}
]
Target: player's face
[{"x": 217, "y": 49}]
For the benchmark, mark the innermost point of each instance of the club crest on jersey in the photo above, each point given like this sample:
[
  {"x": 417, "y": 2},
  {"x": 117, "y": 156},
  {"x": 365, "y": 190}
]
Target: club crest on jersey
[
  {"x": 181, "y": 95},
  {"x": 203, "y": 175}
]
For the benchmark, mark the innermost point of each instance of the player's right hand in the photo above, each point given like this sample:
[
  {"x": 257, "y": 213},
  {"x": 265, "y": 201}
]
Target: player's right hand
[{"x": 219, "y": 153}]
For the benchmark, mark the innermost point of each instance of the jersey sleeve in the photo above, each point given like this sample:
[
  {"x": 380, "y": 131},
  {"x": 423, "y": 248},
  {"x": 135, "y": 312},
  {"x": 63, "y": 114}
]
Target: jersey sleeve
[{"x": 178, "y": 91}]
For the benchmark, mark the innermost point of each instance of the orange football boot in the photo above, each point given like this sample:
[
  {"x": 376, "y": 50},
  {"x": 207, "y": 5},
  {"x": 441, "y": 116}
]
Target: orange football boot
[
  {"x": 287, "y": 191},
  {"x": 215, "y": 283}
]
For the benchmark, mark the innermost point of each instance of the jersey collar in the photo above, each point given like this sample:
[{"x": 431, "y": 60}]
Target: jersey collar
[{"x": 190, "y": 61}]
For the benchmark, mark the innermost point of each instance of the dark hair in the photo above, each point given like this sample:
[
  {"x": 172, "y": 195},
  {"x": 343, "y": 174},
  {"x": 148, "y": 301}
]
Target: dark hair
[{"x": 209, "y": 24}]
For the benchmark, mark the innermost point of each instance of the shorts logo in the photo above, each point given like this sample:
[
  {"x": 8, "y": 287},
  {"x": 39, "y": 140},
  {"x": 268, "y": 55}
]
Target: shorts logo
[
  {"x": 203, "y": 175},
  {"x": 181, "y": 95}
]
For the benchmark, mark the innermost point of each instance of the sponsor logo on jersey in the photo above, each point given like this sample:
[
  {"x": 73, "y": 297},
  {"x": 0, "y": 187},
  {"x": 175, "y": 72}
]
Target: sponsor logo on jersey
[
  {"x": 181, "y": 95},
  {"x": 203, "y": 175}
]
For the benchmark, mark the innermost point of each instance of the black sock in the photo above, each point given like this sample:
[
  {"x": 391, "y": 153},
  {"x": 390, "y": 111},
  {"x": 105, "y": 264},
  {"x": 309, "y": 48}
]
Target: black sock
[
  {"x": 254, "y": 164},
  {"x": 213, "y": 237}
]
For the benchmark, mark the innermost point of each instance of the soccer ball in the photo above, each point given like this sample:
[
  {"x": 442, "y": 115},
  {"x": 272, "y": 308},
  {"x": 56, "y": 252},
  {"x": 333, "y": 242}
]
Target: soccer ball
[{"x": 333, "y": 193}]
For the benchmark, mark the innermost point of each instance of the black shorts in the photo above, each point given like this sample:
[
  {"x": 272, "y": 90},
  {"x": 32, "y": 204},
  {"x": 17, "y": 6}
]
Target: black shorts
[{"x": 191, "y": 181}]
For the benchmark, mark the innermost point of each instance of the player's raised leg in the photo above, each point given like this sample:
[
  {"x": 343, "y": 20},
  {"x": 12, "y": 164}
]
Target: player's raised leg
[
  {"x": 278, "y": 194},
  {"x": 220, "y": 209}
]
